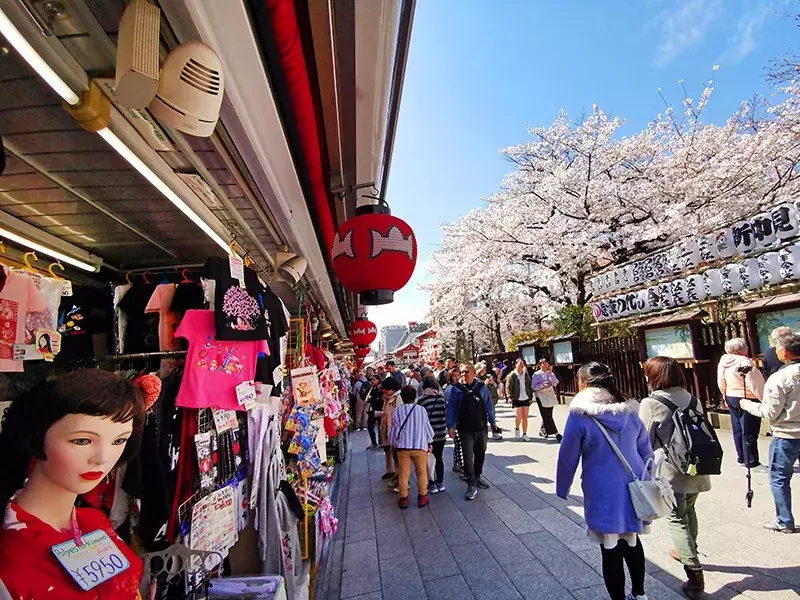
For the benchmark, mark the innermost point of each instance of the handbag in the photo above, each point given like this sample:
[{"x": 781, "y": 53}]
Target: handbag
[{"x": 652, "y": 498}]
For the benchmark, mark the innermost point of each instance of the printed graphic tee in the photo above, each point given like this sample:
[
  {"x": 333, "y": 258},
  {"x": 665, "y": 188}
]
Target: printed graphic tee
[
  {"x": 160, "y": 302},
  {"x": 239, "y": 311},
  {"x": 214, "y": 367},
  {"x": 19, "y": 297}
]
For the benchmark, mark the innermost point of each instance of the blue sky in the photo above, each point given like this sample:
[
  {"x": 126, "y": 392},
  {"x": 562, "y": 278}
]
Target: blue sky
[{"x": 480, "y": 73}]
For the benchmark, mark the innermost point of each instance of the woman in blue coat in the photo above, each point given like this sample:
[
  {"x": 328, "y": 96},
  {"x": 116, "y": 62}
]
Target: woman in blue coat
[{"x": 611, "y": 520}]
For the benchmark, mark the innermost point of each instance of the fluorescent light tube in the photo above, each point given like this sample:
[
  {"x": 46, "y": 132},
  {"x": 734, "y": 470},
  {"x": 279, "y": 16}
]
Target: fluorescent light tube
[
  {"x": 138, "y": 164},
  {"x": 22, "y": 241},
  {"x": 37, "y": 63}
]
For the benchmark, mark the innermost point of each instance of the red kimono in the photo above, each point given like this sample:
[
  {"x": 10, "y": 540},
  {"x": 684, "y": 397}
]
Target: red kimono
[{"x": 30, "y": 571}]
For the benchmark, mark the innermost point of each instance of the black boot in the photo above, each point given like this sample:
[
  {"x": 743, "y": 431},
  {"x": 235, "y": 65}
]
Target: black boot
[{"x": 696, "y": 585}]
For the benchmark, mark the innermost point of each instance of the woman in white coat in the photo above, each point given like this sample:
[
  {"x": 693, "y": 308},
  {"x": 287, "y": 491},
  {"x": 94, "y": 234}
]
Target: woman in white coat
[{"x": 544, "y": 383}]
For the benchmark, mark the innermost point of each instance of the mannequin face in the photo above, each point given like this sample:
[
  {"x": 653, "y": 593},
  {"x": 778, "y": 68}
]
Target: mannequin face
[{"x": 81, "y": 450}]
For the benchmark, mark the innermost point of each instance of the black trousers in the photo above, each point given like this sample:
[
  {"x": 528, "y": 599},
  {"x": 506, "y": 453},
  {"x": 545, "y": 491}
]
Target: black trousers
[
  {"x": 458, "y": 454},
  {"x": 437, "y": 448},
  {"x": 372, "y": 422},
  {"x": 473, "y": 444},
  {"x": 614, "y": 571},
  {"x": 548, "y": 424}
]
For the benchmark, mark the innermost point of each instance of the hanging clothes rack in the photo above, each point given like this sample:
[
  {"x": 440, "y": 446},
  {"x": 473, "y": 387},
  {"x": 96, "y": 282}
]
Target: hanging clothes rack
[
  {"x": 157, "y": 269},
  {"x": 140, "y": 355}
]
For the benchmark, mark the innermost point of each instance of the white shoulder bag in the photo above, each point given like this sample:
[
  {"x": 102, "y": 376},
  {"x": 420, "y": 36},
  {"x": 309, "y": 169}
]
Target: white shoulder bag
[{"x": 652, "y": 498}]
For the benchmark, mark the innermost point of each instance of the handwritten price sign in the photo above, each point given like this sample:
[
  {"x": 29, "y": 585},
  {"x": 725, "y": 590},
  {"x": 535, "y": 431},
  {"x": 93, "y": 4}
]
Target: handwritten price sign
[{"x": 95, "y": 561}]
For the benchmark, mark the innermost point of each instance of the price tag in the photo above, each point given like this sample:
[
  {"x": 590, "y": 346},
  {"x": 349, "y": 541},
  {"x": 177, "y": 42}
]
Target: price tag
[
  {"x": 246, "y": 394},
  {"x": 18, "y": 352},
  {"x": 224, "y": 420},
  {"x": 237, "y": 269},
  {"x": 95, "y": 561},
  {"x": 66, "y": 288}
]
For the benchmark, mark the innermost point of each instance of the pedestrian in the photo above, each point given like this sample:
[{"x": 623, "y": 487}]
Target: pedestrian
[
  {"x": 611, "y": 520},
  {"x": 411, "y": 435},
  {"x": 440, "y": 368},
  {"x": 453, "y": 378},
  {"x": 374, "y": 409},
  {"x": 668, "y": 394},
  {"x": 468, "y": 412},
  {"x": 444, "y": 374},
  {"x": 394, "y": 372},
  {"x": 544, "y": 382},
  {"x": 520, "y": 391},
  {"x": 494, "y": 394},
  {"x": 391, "y": 400},
  {"x": 433, "y": 402},
  {"x": 738, "y": 377},
  {"x": 382, "y": 372},
  {"x": 359, "y": 394},
  {"x": 770, "y": 363},
  {"x": 781, "y": 405}
]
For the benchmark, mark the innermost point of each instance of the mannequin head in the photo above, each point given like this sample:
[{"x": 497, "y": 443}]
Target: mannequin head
[{"x": 71, "y": 430}]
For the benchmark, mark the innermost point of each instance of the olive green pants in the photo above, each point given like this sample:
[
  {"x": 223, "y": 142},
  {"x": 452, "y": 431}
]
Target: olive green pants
[{"x": 682, "y": 523}]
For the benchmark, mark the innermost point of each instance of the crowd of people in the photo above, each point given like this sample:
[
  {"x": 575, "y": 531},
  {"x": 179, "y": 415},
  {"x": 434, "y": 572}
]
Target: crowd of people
[{"x": 615, "y": 439}]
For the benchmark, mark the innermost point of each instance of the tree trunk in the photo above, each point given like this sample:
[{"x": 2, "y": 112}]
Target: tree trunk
[
  {"x": 498, "y": 334},
  {"x": 580, "y": 284}
]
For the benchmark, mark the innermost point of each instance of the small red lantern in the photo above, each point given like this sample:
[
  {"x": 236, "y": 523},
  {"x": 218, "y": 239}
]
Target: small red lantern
[
  {"x": 363, "y": 332},
  {"x": 362, "y": 351},
  {"x": 374, "y": 254}
]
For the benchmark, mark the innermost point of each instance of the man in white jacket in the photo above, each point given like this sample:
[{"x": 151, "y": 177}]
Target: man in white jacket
[{"x": 781, "y": 405}]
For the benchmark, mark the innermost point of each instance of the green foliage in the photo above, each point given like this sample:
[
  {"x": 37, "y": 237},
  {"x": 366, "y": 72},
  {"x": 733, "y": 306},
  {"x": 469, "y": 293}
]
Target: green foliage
[
  {"x": 620, "y": 329},
  {"x": 575, "y": 319},
  {"x": 522, "y": 336}
]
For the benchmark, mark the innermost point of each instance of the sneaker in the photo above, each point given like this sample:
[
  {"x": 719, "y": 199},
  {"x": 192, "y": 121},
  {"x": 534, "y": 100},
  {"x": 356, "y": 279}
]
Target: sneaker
[
  {"x": 559, "y": 437},
  {"x": 387, "y": 475},
  {"x": 403, "y": 503},
  {"x": 516, "y": 434},
  {"x": 397, "y": 491},
  {"x": 472, "y": 491},
  {"x": 433, "y": 487},
  {"x": 423, "y": 501},
  {"x": 632, "y": 597},
  {"x": 497, "y": 436},
  {"x": 525, "y": 438},
  {"x": 481, "y": 483},
  {"x": 440, "y": 487},
  {"x": 778, "y": 527}
]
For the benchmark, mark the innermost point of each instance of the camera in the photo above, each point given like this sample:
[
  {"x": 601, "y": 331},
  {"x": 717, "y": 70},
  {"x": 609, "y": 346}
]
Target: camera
[{"x": 744, "y": 369}]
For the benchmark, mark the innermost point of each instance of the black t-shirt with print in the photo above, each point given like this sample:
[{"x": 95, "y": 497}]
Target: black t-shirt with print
[
  {"x": 238, "y": 314},
  {"x": 188, "y": 296},
  {"x": 277, "y": 326},
  {"x": 141, "y": 332},
  {"x": 82, "y": 316}
]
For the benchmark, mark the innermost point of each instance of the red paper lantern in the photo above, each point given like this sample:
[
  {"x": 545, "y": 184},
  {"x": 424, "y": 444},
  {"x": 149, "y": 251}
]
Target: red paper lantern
[
  {"x": 362, "y": 351},
  {"x": 374, "y": 254},
  {"x": 363, "y": 332}
]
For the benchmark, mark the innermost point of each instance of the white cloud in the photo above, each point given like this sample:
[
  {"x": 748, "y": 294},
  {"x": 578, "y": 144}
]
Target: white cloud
[
  {"x": 744, "y": 40},
  {"x": 684, "y": 26}
]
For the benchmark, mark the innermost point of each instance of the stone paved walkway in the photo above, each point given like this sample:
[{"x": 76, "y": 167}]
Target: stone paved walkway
[{"x": 518, "y": 540}]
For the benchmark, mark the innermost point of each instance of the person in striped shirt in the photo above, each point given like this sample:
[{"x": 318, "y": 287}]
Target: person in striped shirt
[
  {"x": 411, "y": 434},
  {"x": 433, "y": 401}
]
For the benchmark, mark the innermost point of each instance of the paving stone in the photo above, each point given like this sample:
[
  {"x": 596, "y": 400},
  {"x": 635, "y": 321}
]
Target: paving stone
[
  {"x": 573, "y": 536},
  {"x": 523, "y": 496},
  {"x": 360, "y": 524},
  {"x": 453, "y": 587},
  {"x": 485, "y": 578},
  {"x": 454, "y": 527},
  {"x": 372, "y": 596},
  {"x": 400, "y": 579},
  {"x": 516, "y": 519},
  {"x": 494, "y": 475},
  {"x": 571, "y": 571},
  {"x": 596, "y": 592},
  {"x": 434, "y": 559},
  {"x": 360, "y": 573},
  {"x": 534, "y": 581},
  {"x": 337, "y": 564}
]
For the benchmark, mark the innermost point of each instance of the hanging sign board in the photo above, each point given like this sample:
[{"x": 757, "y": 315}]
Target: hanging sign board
[
  {"x": 214, "y": 522},
  {"x": 674, "y": 341},
  {"x": 562, "y": 353},
  {"x": 766, "y": 322}
]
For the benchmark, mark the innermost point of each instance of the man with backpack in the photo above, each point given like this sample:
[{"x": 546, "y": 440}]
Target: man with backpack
[
  {"x": 678, "y": 427},
  {"x": 358, "y": 400},
  {"x": 468, "y": 410}
]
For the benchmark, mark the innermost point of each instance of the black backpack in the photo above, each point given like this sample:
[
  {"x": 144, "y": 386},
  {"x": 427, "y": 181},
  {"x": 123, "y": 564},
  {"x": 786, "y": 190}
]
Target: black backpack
[
  {"x": 364, "y": 390},
  {"x": 693, "y": 448},
  {"x": 472, "y": 412}
]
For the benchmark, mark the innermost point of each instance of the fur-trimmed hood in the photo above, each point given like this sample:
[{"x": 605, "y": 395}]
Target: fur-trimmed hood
[{"x": 600, "y": 404}]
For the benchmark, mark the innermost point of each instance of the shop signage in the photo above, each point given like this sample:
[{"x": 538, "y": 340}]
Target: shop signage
[{"x": 763, "y": 232}]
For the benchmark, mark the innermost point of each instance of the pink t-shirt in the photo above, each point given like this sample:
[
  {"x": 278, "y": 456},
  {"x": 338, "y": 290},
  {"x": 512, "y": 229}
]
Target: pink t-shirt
[
  {"x": 159, "y": 303},
  {"x": 214, "y": 368},
  {"x": 19, "y": 297}
]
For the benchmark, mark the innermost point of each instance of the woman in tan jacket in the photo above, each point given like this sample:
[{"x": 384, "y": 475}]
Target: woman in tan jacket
[{"x": 738, "y": 377}]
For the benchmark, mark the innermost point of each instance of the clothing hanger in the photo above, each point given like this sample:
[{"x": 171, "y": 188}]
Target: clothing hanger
[
  {"x": 53, "y": 266},
  {"x": 128, "y": 278},
  {"x": 185, "y": 276},
  {"x": 144, "y": 277},
  {"x": 28, "y": 266},
  {"x": 164, "y": 278}
]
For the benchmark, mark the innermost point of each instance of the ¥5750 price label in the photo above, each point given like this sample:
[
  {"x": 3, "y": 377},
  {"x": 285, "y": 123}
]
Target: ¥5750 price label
[{"x": 95, "y": 561}]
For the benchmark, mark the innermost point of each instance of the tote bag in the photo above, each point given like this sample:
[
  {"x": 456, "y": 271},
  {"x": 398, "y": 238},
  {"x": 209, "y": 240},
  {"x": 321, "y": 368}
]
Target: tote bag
[{"x": 652, "y": 498}]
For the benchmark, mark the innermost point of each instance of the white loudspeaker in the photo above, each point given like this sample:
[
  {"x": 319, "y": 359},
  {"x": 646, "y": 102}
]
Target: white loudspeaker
[
  {"x": 137, "y": 55},
  {"x": 190, "y": 90}
]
